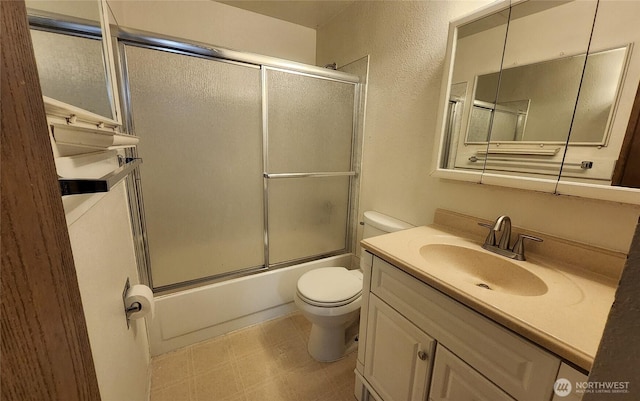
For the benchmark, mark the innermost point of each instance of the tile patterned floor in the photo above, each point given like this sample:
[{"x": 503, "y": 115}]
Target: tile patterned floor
[{"x": 267, "y": 362}]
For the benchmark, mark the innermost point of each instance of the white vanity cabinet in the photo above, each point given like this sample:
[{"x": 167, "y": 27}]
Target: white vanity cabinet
[
  {"x": 475, "y": 358},
  {"x": 399, "y": 354},
  {"x": 574, "y": 377},
  {"x": 454, "y": 380}
]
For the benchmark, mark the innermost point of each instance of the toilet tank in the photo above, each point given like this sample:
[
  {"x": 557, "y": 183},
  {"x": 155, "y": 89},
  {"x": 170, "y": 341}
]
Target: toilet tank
[{"x": 377, "y": 224}]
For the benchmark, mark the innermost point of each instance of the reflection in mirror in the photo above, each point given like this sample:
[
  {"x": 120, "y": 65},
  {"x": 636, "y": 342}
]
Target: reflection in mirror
[
  {"x": 455, "y": 108},
  {"x": 627, "y": 170},
  {"x": 544, "y": 58},
  {"x": 598, "y": 94},
  {"x": 543, "y": 95},
  {"x": 71, "y": 70},
  {"x": 81, "y": 9},
  {"x": 533, "y": 106},
  {"x": 478, "y": 50},
  {"x": 505, "y": 120},
  {"x": 70, "y": 54},
  {"x": 574, "y": 151},
  {"x": 605, "y": 107}
]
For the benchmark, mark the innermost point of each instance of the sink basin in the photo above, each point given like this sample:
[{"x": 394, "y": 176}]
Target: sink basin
[{"x": 485, "y": 270}]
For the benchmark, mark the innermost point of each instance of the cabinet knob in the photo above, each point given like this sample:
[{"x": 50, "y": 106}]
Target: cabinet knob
[{"x": 422, "y": 355}]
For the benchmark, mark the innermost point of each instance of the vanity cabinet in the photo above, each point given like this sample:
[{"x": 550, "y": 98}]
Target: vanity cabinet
[
  {"x": 399, "y": 354},
  {"x": 454, "y": 380},
  {"x": 474, "y": 354}
]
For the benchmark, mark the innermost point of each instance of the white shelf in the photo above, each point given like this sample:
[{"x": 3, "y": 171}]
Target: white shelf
[{"x": 76, "y": 127}]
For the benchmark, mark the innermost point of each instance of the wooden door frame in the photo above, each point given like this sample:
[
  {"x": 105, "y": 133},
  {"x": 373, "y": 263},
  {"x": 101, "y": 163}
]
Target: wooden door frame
[
  {"x": 46, "y": 353},
  {"x": 627, "y": 169}
]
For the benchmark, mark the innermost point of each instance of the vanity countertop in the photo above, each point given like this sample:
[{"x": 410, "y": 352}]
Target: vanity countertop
[{"x": 568, "y": 319}]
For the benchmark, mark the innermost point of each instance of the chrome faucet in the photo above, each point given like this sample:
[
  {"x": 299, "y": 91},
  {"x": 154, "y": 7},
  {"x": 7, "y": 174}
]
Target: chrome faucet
[{"x": 501, "y": 247}]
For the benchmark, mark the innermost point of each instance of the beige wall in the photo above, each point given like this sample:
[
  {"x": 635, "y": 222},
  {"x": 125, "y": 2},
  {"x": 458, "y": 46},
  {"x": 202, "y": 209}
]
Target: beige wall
[
  {"x": 219, "y": 25},
  {"x": 406, "y": 42}
]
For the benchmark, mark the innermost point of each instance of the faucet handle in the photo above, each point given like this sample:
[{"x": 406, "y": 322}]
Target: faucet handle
[
  {"x": 491, "y": 237},
  {"x": 518, "y": 248}
]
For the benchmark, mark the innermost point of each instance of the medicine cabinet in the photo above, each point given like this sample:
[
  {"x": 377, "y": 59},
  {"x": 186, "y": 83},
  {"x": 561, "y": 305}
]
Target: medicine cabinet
[
  {"x": 537, "y": 95},
  {"x": 74, "y": 56},
  {"x": 71, "y": 42}
]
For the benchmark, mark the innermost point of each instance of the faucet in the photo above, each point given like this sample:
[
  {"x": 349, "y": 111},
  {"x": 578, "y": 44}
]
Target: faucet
[
  {"x": 503, "y": 223},
  {"x": 491, "y": 241},
  {"x": 501, "y": 247}
]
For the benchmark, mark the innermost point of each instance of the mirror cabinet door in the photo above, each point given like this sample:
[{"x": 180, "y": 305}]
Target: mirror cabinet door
[
  {"x": 604, "y": 106},
  {"x": 477, "y": 50},
  {"x": 544, "y": 58},
  {"x": 72, "y": 54},
  {"x": 549, "y": 110}
]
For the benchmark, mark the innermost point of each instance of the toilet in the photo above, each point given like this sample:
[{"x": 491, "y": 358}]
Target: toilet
[{"x": 330, "y": 298}]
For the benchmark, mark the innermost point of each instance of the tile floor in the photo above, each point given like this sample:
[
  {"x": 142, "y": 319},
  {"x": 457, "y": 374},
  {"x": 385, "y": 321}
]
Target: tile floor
[{"x": 267, "y": 362}]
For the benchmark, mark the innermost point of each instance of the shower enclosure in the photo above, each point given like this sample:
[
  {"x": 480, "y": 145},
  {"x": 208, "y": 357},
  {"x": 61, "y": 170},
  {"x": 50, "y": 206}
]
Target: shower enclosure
[{"x": 248, "y": 161}]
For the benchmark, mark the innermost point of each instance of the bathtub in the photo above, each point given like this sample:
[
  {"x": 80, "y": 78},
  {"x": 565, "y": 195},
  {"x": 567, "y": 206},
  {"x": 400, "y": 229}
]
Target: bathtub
[{"x": 197, "y": 314}]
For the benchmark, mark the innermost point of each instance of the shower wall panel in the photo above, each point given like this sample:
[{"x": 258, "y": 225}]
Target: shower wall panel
[
  {"x": 71, "y": 69},
  {"x": 199, "y": 121}
]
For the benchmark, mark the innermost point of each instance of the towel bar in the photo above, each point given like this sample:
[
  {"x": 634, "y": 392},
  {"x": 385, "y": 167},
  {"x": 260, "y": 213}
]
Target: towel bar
[{"x": 103, "y": 184}]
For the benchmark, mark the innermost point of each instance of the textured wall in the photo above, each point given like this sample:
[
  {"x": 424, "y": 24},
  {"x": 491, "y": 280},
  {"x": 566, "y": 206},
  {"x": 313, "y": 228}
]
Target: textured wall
[
  {"x": 220, "y": 25},
  {"x": 406, "y": 42},
  {"x": 619, "y": 353}
]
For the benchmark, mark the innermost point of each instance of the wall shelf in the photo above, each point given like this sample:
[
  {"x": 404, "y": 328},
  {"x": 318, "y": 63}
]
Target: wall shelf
[{"x": 73, "y": 126}]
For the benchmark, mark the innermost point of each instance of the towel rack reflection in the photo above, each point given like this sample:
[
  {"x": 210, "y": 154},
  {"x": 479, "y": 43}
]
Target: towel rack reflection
[
  {"x": 585, "y": 164},
  {"x": 306, "y": 175},
  {"x": 103, "y": 184}
]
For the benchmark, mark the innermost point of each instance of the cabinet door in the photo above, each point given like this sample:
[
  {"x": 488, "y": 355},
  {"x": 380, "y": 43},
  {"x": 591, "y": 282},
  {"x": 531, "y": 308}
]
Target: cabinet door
[
  {"x": 398, "y": 355},
  {"x": 366, "y": 262},
  {"x": 571, "y": 375},
  {"x": 454, "y": 380}
]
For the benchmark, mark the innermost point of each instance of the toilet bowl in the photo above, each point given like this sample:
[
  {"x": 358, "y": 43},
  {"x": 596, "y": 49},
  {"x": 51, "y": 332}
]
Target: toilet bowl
[{"x": 330, "y": 298}]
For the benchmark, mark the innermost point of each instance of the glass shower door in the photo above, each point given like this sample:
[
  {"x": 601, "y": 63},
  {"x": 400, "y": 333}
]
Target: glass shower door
[
  {"x": 199, "y": 121},
  {"x": 308, "y": 164}
]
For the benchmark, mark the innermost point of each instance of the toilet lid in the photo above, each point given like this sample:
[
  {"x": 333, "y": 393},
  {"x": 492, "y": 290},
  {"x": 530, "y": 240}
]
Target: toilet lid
[{"x": 329, "y": 286}]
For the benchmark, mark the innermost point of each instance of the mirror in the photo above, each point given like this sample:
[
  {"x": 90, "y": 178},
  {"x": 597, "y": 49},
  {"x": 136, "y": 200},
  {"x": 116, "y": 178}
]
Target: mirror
[
  {"x": 538, "y": 40},
  {"x": 73, "y": 60},
  {"x": 88, "y": 10},
  {"x": 553, "y": 110},
  {"x": 534, "y": 106},
  {"x": 478, "y": 50},
  {"x": 609, "y": 32}
]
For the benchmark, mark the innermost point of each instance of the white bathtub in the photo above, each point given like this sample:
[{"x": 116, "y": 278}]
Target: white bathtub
[{"x": 187, "y": 317}]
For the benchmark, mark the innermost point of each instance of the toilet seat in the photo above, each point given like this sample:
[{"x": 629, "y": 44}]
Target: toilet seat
[{"x": 330, "y": 287}]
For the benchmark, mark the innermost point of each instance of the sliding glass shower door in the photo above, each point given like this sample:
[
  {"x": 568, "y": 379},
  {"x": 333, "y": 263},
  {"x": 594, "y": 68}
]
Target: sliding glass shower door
[
  {"x": 199, "y": 122},
  {"x": 309, "y": 136},
  {"x": 246, "y": 167}
]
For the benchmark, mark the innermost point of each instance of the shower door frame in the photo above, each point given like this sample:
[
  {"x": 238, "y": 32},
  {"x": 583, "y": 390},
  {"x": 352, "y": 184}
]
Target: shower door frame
[
  {"x": 130, "y": 37},
  {"x": 352, "y": 173}
]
